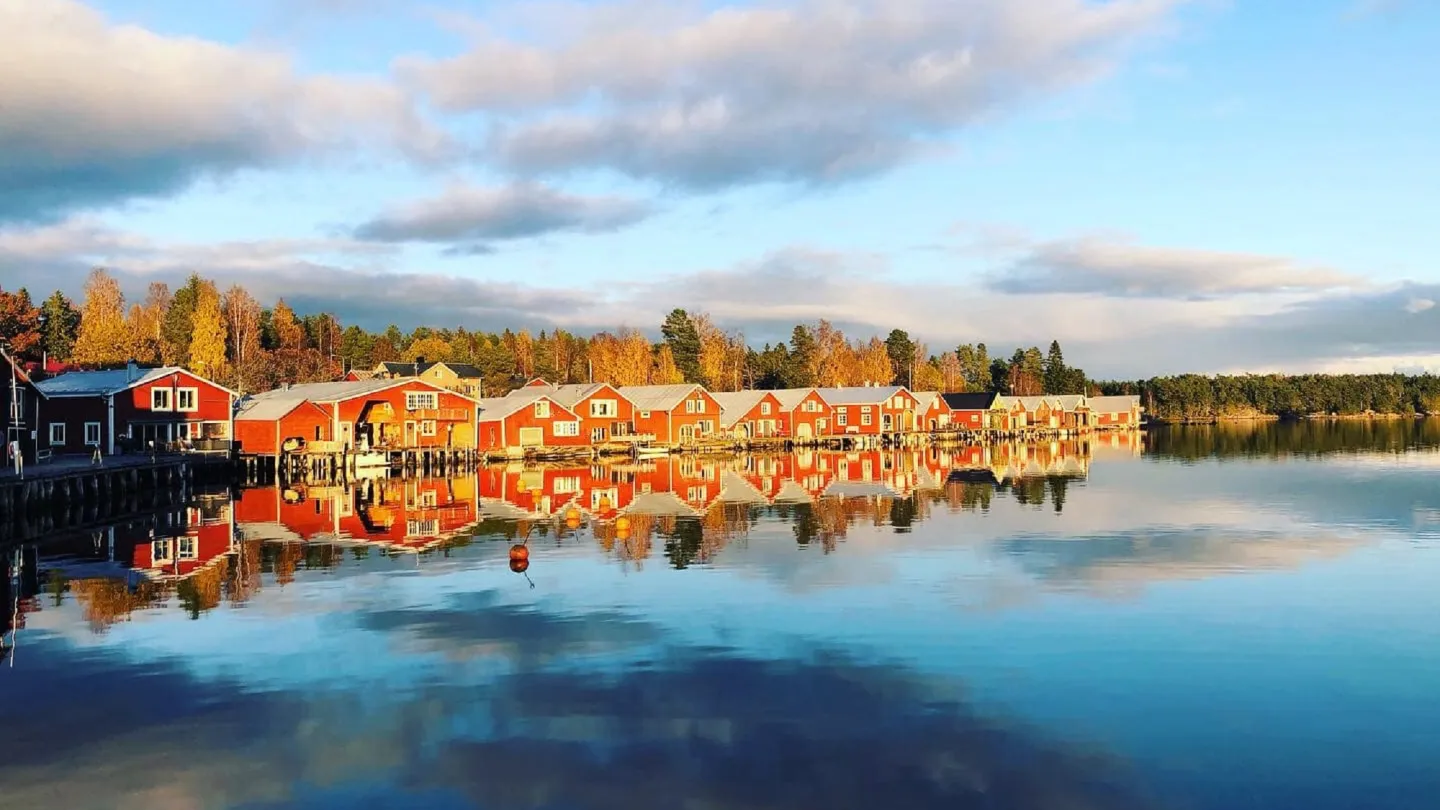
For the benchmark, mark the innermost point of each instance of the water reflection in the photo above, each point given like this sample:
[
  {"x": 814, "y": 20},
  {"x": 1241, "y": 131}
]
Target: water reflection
[{"x": 932, "y": 628}]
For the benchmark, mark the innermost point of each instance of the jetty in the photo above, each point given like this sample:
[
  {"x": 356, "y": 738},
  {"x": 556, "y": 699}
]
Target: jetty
[{"x": 67, "y": 492}]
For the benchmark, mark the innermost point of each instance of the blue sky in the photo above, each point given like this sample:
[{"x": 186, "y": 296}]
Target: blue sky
[{"x": 1162, "y": 185}]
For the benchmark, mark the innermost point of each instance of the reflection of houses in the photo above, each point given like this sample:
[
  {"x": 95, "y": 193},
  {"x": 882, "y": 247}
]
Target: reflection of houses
[
  {"x": 380, "y": 414},
  {"x": 871, "y": 411},
  {"x": 134, "y": 406},
  {"x": 749, "y": 414},
  {"x": 20, "y": 399},
  {"x": 804, "y": 414},
  {"x": 673, "y": 414},
  {"x": 528, "y": 419},
  {"x": 403, "y": 514},
  {"x": 605, "y": 414}
]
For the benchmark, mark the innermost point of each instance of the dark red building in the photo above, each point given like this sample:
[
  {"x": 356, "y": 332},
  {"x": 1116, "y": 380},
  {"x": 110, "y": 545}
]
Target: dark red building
[{"x": 133, "y": 407}]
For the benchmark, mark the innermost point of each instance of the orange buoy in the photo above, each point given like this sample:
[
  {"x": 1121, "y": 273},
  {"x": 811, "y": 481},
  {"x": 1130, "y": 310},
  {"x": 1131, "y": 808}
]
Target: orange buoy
[
  {"x": 622, "y": 524},
  {"x": 572, "y": 514},
  {"x": 519, "y": 564},
  {"x": 519, "y": 551}
]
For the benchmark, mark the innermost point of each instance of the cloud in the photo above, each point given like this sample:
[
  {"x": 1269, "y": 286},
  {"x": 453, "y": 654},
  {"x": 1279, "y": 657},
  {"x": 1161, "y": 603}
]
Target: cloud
[
  {"x": 1120, "y": 268},
  {"x": 737, "y": 95},
  {"x": 97, "y": 113},
  {"x": 464, "y": 213},
  {"x": 1415, "y": 306}
]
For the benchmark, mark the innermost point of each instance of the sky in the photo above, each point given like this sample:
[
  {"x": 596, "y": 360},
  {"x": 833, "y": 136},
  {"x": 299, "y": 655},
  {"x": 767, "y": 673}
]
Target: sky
[{"x": 1162, "y": 185}]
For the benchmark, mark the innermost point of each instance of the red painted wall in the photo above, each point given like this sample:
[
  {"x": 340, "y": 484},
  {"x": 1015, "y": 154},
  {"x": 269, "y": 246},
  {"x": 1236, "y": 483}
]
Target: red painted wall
[
  {"x": 74, "y": 412},
  {"x": 757, "y": 413},
  {"x": 792, "y": 420},
  {"x": 855, "y": 413},
  {"x": 497, "y": 434},
  {"x": 667, "y": 431},
  {"x": 264, "y": 437},
  {"x": 625, "y": 412},
  {"x": 134, "y": 405},
  {"x": 462, "y": 408}
]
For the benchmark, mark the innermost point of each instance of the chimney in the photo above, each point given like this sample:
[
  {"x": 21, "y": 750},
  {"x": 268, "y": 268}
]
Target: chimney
[{"x": 132, "y": 370}]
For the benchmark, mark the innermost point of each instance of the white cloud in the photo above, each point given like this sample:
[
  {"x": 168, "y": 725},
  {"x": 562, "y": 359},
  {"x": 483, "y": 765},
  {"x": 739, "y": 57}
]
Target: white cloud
[
  {"x": 811, "y": 91},
  {"x": 96, "y": 113},
  {"x": 1415, "y": 306}
]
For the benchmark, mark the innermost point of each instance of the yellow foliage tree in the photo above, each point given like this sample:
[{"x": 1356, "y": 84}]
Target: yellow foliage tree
[
  {"x": 431, "y": 349},
  {"x": 289, "y": 333},
  {"x": 208, "y": 342},
  {"x": 872, "y": 364},
  {"x": 929, "y": 378},
  {"x": 664, "y": 371},
  {"x": 103, "y": 337},
  {"x": 952, "y": 374}
]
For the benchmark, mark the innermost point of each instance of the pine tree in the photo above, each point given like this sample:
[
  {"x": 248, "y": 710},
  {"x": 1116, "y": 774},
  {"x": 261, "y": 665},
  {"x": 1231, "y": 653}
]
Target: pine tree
[
  {"x": 800, "y": 367},
  {"x": 62, "y": 324},
  {"x": 208, "y": 337},
  {"x": 102, "y": 339},
  {"x": 178, "y": 325},
  {"x": 1056, "y": 374},
  {"x": 901, "y": 351},
  {"x": 683, "y": 338}
]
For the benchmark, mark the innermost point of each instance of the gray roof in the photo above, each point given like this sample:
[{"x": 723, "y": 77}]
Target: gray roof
[
  {"x": 265, "y": 410},
  {"x": 860, "y": 394},
  {"x": 735, "y": 404},
  {"x": 103, "y": 383},
  {"x": 501, "y": 407},
  {"x": 337, "y": 391},
  {"x": 790, "y": 398},
  {"x": 658, "y": 397},
  {"x": 1114, "y": 404},
  {"x": 1070, "y": 402},
  {"x": 567, "y": 395},
  {"x": 925, "y": 399}
]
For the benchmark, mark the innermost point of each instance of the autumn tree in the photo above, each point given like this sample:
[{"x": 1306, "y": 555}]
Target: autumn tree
[
  {"x": 1026, "y": 373},
  {"x": 102, "y": 339},
  {"x": 873, "y": 363},
  {"x": 208, "y": 336},
  {"x": 19, "y": 323},
  {"x": 952, "y": 374},
  {"x": 178, "y": 324},
  {"x": 242, "y": 324},
  {"x": 683, "y": 337},
  {"x": 61, "y": 325},
  {"x": 663, "y": 370},
  {"x": 832, "y": 359},
  {"x": 429, "y": 350}
]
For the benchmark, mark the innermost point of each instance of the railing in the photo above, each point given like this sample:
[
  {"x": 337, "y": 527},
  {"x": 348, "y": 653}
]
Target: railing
[{"x": 443, "y": 414}]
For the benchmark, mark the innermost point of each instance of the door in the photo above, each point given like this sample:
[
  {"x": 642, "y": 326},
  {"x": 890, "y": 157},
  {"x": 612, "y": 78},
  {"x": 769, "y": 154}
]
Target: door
[
  {"x": 597, "y": 435},
  {"x": 410, "y": 434},
  {"x": 532, "y": 436},
  {"x": 887, "y": 420},
  {"x": 802, "y": 430},
  {"x": 687, "y": 432}
]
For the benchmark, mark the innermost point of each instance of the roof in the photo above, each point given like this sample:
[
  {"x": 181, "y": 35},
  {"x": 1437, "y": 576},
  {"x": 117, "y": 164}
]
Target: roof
[
  {"x": 361, "y": 374},
  {"x": 860, "y": 395},
  {"x": 1070, "y": 402},
  {"x": 1034, "y": 403},
  {"x": 502, "y": 407},
  {"x": 331, "y": 391},
  {"x": 567, "y": 395},
  {"x": 266, "y": 410},
  {"x": 735, "y": 404},
  {"x": 17, "y": 370},
  {"x": 402, "y": 369},
  {"x": 659, "y": 397},
  {"x": 925, "y": 399},
  {"x": 982, "y": 401},
  {"x": 110, "y": 381},
  {"x": 790, "y": 398},
  {"x": 1114, "y": 404}
]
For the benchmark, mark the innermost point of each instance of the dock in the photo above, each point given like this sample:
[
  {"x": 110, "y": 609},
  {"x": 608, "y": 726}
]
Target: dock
[{"x": 57, "y": 493}]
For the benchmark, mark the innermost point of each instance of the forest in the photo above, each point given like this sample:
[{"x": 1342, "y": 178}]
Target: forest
[{"x": 232, "y": 338}]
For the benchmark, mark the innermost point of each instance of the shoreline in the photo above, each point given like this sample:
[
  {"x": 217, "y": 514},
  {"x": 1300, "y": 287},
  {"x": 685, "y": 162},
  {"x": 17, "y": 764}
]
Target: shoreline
[{"x": 1268, "y": 417}]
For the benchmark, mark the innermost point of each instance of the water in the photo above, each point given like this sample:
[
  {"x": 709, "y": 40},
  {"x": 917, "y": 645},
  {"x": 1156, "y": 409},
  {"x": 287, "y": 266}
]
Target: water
[{"x": 1224, "y": 618}]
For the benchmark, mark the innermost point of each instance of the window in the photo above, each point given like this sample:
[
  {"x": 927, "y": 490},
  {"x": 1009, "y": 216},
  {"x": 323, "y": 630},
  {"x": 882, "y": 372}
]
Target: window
[
  {"x": 764, "y": 409},
  {"x": 319, "y": 433},
  {"x": 695, "y": 494},
  {"x": 597, "y": 435},
  {"x": 689, "y": 406},
  {"x": 865, "y": 417},
  {"x": 567, "y": 484},
  {"x": 427, "y": 427},
  {"x": 189, "y": 549},
  {"x": 159, "y": 551},
  {"x": 603, "y": 407},
  {"x": 644, "y": 414},
  {"x": 567, "y": 428},
  {"x": 57, "y": 432},
  {"x": 187, "y": 400},
  {"x": 865, "y": 409},
  {"x": 92, "y": 434},
  {"x": 699, "y": 404},
  {"x": 842, "y": 417},
  {"x": 704, "y": 427},
  {"x": 421, "y": 400},
  {"x": 160, "y": 399},
  {"x": 422, "y": 528},
  {"x": 542, "y": 409},
  {"x": 429, "y": 498}
]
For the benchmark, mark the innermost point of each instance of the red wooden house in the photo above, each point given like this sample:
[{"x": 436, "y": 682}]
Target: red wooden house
[
  {"x": 1114, "y": 412},
  {"x": 381, "y": 414},
  {"x": 527, "y": 419},
  {"x": 263, "y": 427},
  {"x": 749, "y": 414},
  {"x": 977, "y": 411},
  {"x": 604, "y": 412},
  {"x": 872, "y": 410},
  {"x": 931, "y": 411},
  {"x": 674, "y": 414},
  {"x": 20, "y": 402},
  {"x": 804, "y": 414},
  {"x": 136, "y": 407}
]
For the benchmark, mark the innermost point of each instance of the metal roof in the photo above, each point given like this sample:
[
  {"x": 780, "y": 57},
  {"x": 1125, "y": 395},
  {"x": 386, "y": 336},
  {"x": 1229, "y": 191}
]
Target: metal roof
[
  {"x": 790, "y": 398},
  {"x": 924, "y": 399},
  {"x": 515, "y": 401},
  {"x": 971, "y": 402},
  {"x": 860, "y": 394},
  {"x": 1114, "y": 404},
  {"x": 566, "y": 395},
  {"x": 659, "y": 397},
  {"x": 266, "y": 410},
  {"x": 735, "y": 404},
  {"x": 330, "y": 391},
  {"x": 109, "y": 381},
  {"x": 403, "y": 369}
]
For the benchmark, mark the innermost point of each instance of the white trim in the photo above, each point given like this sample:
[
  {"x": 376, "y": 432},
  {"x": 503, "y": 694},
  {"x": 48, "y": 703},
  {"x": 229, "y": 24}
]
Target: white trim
[
  {"x": 194, "y": 400},
  {"x": 86, "y": 434},
  {"x": 155, "y": 397},
  {"x": 53, "y": 440}
]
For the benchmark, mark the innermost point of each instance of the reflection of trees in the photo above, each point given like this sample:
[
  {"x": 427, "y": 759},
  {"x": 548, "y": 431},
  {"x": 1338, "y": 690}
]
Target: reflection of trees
[
  {"x": 630, "y": 541},
  {"x": 1302, "y": 438}
]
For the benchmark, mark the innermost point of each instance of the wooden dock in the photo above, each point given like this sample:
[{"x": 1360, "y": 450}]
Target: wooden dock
[{"x": 60, "y": 491}]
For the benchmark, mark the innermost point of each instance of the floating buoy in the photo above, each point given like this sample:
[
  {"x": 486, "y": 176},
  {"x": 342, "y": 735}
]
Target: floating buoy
[
  {"x": 572, "y": 514},
  {"x": 519, "y": 564},
  {"x": 622, "y": 524}
]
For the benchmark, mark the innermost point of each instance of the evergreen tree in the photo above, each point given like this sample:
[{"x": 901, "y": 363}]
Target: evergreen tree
[
  {"x": 179, "y": 323},
  {"x": 62, "y": 324},
  {"x": 901, "y": 350},
  {"x": 1056, "y": 376},
  {"x": 684, "y": 341},
  {"x": 800, "y": 369}
]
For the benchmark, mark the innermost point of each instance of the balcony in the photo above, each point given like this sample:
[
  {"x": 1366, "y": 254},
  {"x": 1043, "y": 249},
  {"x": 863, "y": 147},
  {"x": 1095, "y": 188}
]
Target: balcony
[{"x": 442, "y": 414}]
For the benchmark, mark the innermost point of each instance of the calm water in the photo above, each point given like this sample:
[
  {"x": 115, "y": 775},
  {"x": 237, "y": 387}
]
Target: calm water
[{"x": 1228, "y": 619}]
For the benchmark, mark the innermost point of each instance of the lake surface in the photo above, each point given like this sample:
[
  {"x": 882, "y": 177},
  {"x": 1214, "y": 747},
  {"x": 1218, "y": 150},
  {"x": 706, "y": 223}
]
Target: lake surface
[{"x": 1228, "y": 618}]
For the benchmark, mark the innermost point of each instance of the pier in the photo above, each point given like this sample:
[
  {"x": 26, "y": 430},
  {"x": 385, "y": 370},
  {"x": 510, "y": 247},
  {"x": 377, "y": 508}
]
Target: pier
[{"x": 65, "y": 492}]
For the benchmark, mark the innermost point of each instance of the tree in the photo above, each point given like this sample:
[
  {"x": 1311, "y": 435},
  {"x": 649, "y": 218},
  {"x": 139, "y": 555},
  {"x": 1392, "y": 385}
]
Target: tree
[
  {"x": 19, "y": 323},
  {"x": 800, "y": 370},
  {"x": 952, "y": 374},
  {"x": 102, "y": 339},
  {"x": 208, "y": 338},
  {"x": 873, "y": 363},
  {"x": 178, "y": 323},
  {"x": 430, "y": 350},
  {"x": 242, "y": 323},
  {"x": 1025, "y": 375},
  {"x": 61, "y": 325},
  {"x": 289, "y": 334},
  {"x": 901, "y": 351},
  {"x": 683, "y": 338},
  {"x": 663, "y": 370},
  {"x": 1057, "y": 376}
]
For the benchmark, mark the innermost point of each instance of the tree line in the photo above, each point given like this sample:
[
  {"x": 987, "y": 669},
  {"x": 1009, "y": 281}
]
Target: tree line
[{"x": 230, "y": 337}]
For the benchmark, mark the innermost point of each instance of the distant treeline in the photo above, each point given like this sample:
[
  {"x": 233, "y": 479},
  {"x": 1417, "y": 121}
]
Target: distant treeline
[
  {"x": 1304, "y": 438},
  {"x": 230, "y": 337},
  {"x": 1197, "y": 398}
]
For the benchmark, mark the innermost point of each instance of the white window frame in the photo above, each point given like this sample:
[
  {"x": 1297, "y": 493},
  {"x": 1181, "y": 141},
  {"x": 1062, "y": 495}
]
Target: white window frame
[
  {"x": 180, "y": 396},
  {"x": 567, "y": 428},
  {"x": 764, "y": 409},
  {"x": 160, "y": 400},
  {"x": 565, "y": 484},
  {"x": 865, "y": 418},
  {"x": 699, "y": 404},
  {"x": 644, "y": 414},
  {"x": 92, "y": 426},
  {"x": 689, "y": 406},
  {"x": 842, "y": 417},
  {"x": 604, "y": 407},
  {"x": 162, "y": 550},
  {"x": 427, "y": 427},
  {"x": 54, "y": 441},
  {"x": 188, "y": 548},
  {"x": 416, "y": 400},
  {"x": 542, "y": 409}
]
